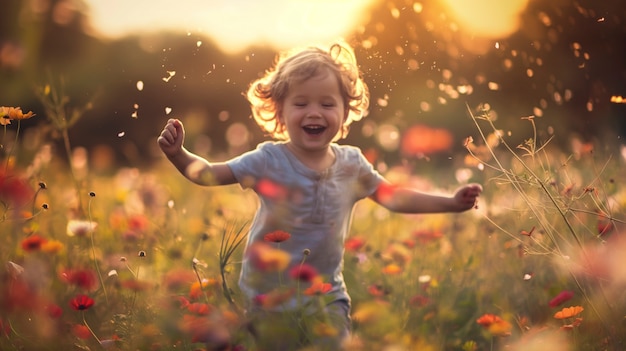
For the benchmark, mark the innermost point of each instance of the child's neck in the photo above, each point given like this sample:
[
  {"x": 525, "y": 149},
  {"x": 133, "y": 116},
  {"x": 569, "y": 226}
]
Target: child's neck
[{"x": 318, "y": 160}]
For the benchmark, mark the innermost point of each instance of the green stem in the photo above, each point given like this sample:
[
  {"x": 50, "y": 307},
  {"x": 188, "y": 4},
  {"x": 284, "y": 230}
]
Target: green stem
[
  {"x": 90, "y": 330},
  {"x": 95, "y": 260},
  {"x": 17, "y": 133}
]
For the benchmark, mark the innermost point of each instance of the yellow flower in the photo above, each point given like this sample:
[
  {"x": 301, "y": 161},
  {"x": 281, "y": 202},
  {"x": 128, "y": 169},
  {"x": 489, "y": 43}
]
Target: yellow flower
[{"x": 4, "y": 116}]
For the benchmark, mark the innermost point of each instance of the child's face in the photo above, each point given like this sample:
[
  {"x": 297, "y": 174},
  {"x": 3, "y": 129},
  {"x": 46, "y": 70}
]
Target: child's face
[{"x": 313, "y": 112}]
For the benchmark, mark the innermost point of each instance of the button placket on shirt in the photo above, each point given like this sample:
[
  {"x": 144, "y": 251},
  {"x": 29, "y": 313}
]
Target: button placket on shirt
[{"x": 318, "y": 208}]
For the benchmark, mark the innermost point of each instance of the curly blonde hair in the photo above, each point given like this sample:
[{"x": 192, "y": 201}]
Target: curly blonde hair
[{"x": 267, "y": 94}]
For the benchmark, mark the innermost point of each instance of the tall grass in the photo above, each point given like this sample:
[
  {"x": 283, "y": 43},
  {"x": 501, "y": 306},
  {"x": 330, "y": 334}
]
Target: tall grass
[{"x": 160, "y": 256}]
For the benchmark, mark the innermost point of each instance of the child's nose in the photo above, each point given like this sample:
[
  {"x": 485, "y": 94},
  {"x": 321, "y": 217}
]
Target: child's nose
[{"x": 314, "y": 113}]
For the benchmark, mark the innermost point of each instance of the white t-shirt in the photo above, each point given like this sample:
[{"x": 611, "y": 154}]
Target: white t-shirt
[{"x": 314, "y": 207}]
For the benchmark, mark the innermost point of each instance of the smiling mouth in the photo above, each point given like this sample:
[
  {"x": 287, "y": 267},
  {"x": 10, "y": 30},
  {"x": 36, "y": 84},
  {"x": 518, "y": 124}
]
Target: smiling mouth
[{"x": 314, "y": 129}]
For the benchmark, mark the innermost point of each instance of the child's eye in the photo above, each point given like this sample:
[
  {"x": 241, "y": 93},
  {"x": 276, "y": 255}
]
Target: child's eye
[
  {"x": 328, "y": 104},
  {"x": 299, "y": 104}
]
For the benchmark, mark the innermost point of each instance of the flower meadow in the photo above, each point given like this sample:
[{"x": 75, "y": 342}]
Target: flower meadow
[{"x": 141, "y": 259}]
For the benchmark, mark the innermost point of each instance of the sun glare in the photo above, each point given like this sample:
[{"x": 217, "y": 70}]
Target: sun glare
[
  {"x": 233, "y": 25},
  {"x": 487, "y": 18}
]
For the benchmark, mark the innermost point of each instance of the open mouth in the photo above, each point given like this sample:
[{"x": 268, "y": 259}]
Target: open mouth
[{"x": 314, "y": 129}]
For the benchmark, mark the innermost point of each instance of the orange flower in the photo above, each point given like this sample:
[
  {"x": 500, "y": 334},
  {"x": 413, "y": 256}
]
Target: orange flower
[
  {"x": 424, "y": 236},
  {"x": 196, "y": 289},
  {"x": 277, "y": 236},
  {"x": 419, "y": 140},
  {"x": 14, "y": 113},
  {"x": 318, "y": 288},
  {"x": 268, "y": 259},
  {"x": 198, "y": 308},
  {"x": 577, "y": 322},
  {"x": 52, "y": 246},
  {"x": 495, "y": 325},
  {"x": 392, "y": 269},
  {"x": 273, "y": 298},
  {"x": 324, "y": 330},
  {"x": 81, "y": 331},
  {"x": 568, "y": 312}
]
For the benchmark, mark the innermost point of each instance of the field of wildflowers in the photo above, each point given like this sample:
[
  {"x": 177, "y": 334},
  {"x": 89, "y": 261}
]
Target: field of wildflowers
[{"x": 141, "y": 259}]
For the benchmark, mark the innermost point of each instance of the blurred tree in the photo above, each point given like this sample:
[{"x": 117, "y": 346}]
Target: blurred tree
[{"x": 564, "y": 63}]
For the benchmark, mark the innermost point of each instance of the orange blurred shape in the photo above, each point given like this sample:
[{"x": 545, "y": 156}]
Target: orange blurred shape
[
  {"x": 270, "y": 189},
  {"x": 618, "y": 99},
  {"x": 421, "y": 140},
  {"x": 568, "y": 312},
  {"x": 266, "y": 258}
]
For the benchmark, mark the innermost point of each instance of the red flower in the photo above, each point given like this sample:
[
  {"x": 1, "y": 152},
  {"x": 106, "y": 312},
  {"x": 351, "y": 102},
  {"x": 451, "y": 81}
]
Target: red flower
[
  {"x": 304, "y": 272},
  {"x": 83, "y": 278},
  {"x": 604, "y": 227},
  {"x": 419, "y": 301},
  {"x": 318, "y": 288},
  {"x": 424, "y": 236},
  {"x": 354, "y": 243},
  {"x": 277, "y": 236},
  {"x": 377, "y": 290},
  {"x": 14, "y": 191},
  {"x": 269, "y": 189},
  {"x": 33, "y": 243},
  {"x": 5, "y": 328},
  {"x": 54, "y": 311},
  {"x": 495, "y": 325},
  {"x": 563, "y": 296},
  {"x": 138, "y": 223},
  {"x": 81, "y": 302},
  {"x": 81, "y": 331},
  {"x": 198, "y": 308}
]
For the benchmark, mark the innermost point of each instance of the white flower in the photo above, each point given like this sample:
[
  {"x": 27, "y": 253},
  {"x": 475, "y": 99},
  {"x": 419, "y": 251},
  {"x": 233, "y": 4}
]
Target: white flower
[{"x": 80, "y": 228}]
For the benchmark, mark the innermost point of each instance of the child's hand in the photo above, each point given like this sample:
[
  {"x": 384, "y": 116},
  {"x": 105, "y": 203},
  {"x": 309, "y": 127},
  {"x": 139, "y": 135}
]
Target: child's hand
[
  {"x": 171, "y": 139},
  {"x": 465, "y": 196}
]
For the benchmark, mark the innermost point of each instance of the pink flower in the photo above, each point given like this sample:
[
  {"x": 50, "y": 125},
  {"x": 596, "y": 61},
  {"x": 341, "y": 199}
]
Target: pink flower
[{"x": 563, "y": 296}]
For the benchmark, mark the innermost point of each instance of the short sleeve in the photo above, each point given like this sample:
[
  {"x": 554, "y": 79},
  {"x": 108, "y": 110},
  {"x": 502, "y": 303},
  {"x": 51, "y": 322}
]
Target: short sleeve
[
  {"x": 248, "y": 166},
  {"x": 368, "y": 179}
]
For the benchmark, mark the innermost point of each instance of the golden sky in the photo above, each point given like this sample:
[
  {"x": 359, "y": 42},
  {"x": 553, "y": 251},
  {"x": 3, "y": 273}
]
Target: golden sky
[
  {"x": 236, "y": 24},
  {"x": 233, "y": 24}
]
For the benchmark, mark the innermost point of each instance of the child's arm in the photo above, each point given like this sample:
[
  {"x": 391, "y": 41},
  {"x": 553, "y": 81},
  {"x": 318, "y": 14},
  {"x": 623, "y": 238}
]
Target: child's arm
[
  {"x": 192, "y": 166},
  {"x": 407, "y": 200}
]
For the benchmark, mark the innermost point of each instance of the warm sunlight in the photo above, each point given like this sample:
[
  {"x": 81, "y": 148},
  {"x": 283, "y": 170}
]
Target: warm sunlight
[
  {"x": 232, "y": 24},
  {"x": 487, "y": 18}
]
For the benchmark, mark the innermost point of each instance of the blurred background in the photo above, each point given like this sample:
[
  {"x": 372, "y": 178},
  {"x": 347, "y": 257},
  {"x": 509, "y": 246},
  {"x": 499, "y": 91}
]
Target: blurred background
[{"x": 133, "y": 64}]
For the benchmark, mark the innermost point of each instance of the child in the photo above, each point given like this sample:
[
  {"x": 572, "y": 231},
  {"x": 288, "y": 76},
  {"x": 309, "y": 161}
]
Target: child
[{"x": 307, "y": 184}]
